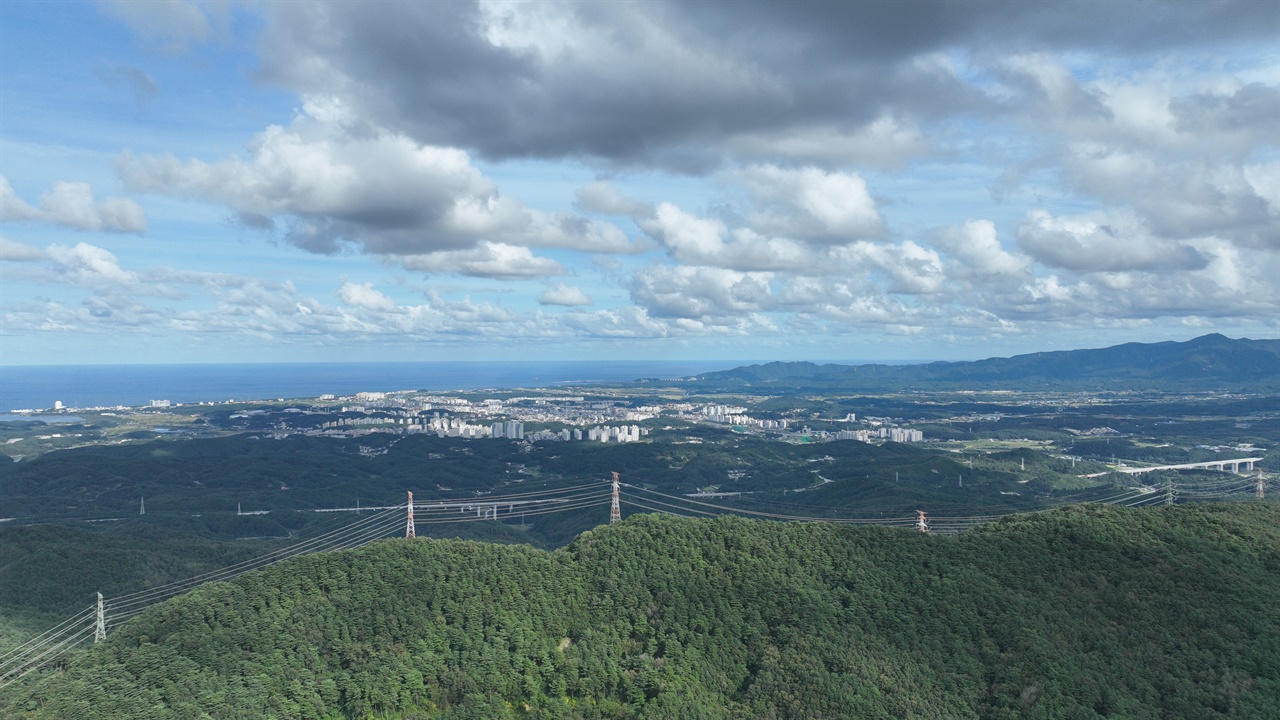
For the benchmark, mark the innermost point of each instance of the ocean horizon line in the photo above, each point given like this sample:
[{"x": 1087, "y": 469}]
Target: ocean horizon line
[
  {"x": 727, "y": 363},
  {"x": 43, "y": 387}
]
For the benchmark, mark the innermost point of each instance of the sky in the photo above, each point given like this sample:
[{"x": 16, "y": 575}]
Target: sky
[{"x": 392, "y": 181}]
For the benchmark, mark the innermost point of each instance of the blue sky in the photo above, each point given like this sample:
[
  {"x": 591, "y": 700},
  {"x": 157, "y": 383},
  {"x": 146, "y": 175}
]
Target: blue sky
[{"x": 257, "y": 181}]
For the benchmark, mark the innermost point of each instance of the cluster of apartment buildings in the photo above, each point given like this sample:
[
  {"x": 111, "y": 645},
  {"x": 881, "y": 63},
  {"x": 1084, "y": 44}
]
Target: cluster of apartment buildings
[
  {"x": 445, "y": 426},
  {"x": 729, "y": 415},
  {"x": 895, "y": 434},
  {"x": 737, "y": 416},
  {"x": 509, "y": 429},
  {"x": 617, "y": 434},
  {"x": 442, "y": 426},
  {"x": 462, "y": 417}
]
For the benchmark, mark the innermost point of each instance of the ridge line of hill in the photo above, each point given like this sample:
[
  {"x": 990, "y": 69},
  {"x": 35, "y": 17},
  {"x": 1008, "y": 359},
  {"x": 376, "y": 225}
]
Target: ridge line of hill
[{"x": 1209, "y": 362}]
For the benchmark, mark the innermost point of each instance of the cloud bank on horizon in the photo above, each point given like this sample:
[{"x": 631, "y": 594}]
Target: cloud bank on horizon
[{"x": 758, "y": 180}]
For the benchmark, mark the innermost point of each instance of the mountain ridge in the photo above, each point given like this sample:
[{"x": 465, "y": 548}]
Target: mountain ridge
[{"x": 1211, "y": 361}]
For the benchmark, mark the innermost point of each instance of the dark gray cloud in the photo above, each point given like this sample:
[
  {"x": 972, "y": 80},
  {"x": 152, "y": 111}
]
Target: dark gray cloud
[
  {"x": 910, "y": 27},
  {"x": 1252, "y": 109},
  {"x": 676, "y": 84},
  {"x": 625, "y": 91}
]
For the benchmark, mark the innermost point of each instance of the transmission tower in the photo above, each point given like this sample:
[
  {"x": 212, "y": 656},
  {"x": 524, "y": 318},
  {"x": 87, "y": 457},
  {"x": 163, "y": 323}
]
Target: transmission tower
[
  {"x": 100, "y": 629},
  {"x": 1262, "y": 485},
  {"x": 142, "y": 506},
  {"x": 1168, "y": 492},
  {"x": 922, "y": 523},
  {"x": 615, "y": 510},
  {"x": 408, "y": 528}
]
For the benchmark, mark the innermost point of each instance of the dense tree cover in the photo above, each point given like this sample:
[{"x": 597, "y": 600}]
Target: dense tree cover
[
  {"x": 48, "y": 572},
  {"x": 107, "y": 560},
  {"x": 210, "y": 477},
  {"x": 1081, "y": 612}
]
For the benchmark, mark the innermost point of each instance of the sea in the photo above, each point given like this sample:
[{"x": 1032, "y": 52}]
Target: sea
[{"x": 36, "y": 387}]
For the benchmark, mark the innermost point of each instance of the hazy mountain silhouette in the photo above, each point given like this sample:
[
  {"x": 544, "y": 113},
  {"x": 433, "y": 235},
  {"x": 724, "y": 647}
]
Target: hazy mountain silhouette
[{"x": 1208, "y": 362}]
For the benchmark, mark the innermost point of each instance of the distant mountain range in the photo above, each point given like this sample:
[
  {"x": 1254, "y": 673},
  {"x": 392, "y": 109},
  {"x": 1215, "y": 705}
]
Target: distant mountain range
[{"x": 1210, "y": 362}]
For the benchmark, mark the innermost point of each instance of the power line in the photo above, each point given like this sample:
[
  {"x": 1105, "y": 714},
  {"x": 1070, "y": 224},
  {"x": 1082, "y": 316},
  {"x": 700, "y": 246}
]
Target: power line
[
  {"x": 57, "y": 651},
  {"x": 351, "y": 535},
  {"x": 35, "y": 652},
  {"x": 292, "y": 549},
  {"x": 778, "y": 516},
  {"x": 90, "y": 622},
  {"x": 82, "y": 615}
]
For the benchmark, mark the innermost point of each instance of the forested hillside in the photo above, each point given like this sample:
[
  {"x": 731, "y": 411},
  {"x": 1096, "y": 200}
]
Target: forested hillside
[
  {"x": 210, "y": 477},
  {"x": 1080, "y": 612}
]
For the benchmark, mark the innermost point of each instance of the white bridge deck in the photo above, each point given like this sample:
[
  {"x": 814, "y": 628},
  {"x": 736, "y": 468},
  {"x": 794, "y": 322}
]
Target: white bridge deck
[{"x": 1212, "y": 464}]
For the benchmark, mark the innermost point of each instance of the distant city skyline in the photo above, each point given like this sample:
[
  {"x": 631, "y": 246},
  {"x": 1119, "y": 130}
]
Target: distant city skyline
[{"x": 189, "y": 182}]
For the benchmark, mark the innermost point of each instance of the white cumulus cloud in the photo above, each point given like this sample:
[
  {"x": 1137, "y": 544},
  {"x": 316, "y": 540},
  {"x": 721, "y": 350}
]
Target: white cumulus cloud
[
  {"x": 332, "y": 186},
  {"x": 89, "y": 266},
  {"x": 363, "y": 295},
  {"x": 72, "y": 204},
  {"x": 976, "y": 247},
  {"x": 563, "y": 294},
  {"x": 810, "y": 204},
  {"x": 700, "y": 292},
  {"x": 487, "y": 260}
]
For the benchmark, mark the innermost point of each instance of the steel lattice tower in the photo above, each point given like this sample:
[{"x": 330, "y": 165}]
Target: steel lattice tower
[
  {"x": 922, "y": 524},
  {"x": 615, "y": 510},
  {"x": 100, "y": 625},
  {"x": 408, "y": 528}
]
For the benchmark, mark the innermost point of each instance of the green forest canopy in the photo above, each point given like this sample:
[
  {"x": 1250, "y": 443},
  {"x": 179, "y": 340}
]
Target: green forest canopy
[{"x": 1079, "y": 612}]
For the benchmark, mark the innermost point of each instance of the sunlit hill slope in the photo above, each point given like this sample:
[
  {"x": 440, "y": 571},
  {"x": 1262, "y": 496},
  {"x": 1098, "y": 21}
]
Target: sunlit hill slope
[{"x": 1080, "y": 612}]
